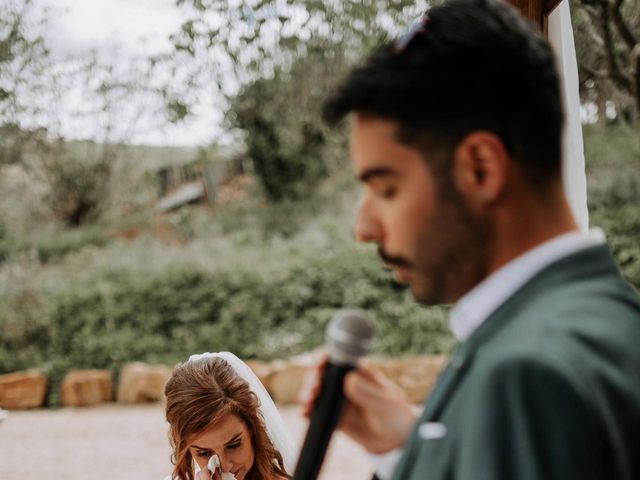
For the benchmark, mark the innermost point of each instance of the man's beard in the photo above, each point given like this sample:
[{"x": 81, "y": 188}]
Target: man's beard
[{"x": 451, "y": 256}]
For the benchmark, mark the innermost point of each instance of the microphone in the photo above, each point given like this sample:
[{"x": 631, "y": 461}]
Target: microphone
[{"x": 349, "y": 336}]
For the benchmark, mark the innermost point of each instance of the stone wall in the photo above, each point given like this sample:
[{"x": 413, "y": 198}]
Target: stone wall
[{"x": 142, "y": 383}]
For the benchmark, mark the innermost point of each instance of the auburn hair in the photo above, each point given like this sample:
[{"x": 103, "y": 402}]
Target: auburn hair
[{"x": 198, "y": 395}]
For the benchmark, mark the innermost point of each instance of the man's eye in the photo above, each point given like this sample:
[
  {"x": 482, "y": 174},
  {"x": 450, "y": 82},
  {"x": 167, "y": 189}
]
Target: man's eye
[{"x": 388, "y": 192}]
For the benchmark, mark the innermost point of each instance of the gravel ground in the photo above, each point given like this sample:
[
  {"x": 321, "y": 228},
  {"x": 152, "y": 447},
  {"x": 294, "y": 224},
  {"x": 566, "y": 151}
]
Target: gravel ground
[{"x": 113, "y": 442}]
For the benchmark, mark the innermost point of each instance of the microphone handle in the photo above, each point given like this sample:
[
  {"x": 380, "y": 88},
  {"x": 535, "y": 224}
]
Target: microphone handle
[{"x": 324, "y": 419}]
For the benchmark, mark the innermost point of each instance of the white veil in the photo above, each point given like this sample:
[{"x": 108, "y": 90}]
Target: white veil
[
  {"x": 276, "y": 428},
  {"x": 573, "y": 168}
]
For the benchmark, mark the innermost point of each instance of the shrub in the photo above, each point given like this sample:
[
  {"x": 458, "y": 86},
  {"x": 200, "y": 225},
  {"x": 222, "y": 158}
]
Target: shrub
[
  {"x": 78, "y": 181},
  {"x": 126, "y": 316}
]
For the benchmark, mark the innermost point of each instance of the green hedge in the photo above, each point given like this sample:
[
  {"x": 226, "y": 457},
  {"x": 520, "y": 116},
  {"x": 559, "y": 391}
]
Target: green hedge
[{"x": 128, "y": 316}]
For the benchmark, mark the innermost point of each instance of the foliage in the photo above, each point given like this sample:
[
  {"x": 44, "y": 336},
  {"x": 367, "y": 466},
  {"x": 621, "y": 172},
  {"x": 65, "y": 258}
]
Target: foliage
[
  {"x": 100, "y": 325},
  {"x": 23, "y": 60},
  {"x": 286, "y": 144},
  {"x": 273, "y": 63},
  {"x": 613, "y": 170},
  {"x": 608, "y": 50},
  {"x": 78, "y": 181},
  {"x": 621, "y": 224},
  {"x": 244, "y": 41},
  {"x": 613, "y": 166}
]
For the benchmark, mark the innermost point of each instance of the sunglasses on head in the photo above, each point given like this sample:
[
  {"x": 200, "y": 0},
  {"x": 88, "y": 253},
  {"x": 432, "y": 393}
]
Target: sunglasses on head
[{"x": 412, "y": 32}]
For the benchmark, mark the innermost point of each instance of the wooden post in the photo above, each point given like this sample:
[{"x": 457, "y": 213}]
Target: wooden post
[{"x": 536, "y": 10}]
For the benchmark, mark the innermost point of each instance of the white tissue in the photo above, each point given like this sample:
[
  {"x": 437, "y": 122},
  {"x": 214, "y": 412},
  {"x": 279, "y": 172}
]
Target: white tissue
[{"x": 214, "y": 464}]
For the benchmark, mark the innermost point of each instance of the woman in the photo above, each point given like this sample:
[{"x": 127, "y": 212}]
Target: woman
[{"x": 220, "y": 413}]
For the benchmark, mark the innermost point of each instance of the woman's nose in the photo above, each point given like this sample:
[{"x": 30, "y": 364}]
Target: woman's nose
[{"x": 225, "y": 464}]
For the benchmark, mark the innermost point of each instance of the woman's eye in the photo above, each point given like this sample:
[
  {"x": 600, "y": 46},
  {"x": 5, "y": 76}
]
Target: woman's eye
[
  {"x": 203, "y": 454},
  {"x": 233, "y": 446}
]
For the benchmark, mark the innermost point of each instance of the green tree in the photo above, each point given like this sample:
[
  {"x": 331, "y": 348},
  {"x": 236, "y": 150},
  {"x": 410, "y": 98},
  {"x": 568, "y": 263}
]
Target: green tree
[
  {"x": 24, "y": 58},
  {"x": 271, "y": 64},
  {"x": 608, "y": 48}
]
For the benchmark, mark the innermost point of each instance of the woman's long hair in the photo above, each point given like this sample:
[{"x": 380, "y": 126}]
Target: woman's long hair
[{"x": 202, "y": 392}]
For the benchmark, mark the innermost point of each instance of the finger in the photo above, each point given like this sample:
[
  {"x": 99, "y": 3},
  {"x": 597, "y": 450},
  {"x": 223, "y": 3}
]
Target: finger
[
  {"x": 367, "y": 392},
  {"x": 370, "y": 371},
  {"x": 203, "y": 474}
]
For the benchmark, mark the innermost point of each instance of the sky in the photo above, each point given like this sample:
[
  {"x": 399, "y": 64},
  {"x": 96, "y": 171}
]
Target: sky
[{"x": 120, "y": 30}]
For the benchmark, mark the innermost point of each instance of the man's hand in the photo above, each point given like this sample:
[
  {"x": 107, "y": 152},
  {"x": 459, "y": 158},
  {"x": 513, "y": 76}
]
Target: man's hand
[{"x": 377, "y": 414}]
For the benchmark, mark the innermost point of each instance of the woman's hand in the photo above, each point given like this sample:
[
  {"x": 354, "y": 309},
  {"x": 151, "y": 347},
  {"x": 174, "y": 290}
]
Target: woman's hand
[
  {"x": 377, "y": 414},
  {"x": 205, "y": 474}
]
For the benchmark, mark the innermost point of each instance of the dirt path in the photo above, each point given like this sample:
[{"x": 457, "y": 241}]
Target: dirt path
[{"x": 122, "y": 443}]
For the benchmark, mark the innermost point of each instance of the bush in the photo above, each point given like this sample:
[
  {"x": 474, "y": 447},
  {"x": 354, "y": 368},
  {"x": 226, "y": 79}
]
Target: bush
[
  {"x": 622, "y": 227},
  {"x": 78, "y": 181},
  {"x": 127, "y": 316}
]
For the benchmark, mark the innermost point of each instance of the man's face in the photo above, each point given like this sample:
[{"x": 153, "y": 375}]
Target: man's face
[{"x": 423, "y": 229}]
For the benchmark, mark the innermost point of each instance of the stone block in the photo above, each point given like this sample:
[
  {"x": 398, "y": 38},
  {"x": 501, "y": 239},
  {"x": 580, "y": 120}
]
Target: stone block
[
  {"x": 264, "y": 371},
  {"x": 81, "y": 388},
  {"x": 416, "y": 376},
  {"x": 142, "y": 383},
  {"x": 21, "y": 390},
  {"x": 285, "y": 384}
]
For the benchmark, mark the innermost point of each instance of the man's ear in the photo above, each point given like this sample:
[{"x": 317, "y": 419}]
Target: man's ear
[{"x": 481, "y": 168}]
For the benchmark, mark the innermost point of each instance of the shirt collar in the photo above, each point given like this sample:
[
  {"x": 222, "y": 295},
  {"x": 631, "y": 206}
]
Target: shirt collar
[{"x": 476, "y": 305}]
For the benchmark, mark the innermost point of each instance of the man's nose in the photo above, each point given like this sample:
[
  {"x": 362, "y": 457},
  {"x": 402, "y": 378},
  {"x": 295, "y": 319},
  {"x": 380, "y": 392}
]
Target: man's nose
[{"x": 367, "y": 227}]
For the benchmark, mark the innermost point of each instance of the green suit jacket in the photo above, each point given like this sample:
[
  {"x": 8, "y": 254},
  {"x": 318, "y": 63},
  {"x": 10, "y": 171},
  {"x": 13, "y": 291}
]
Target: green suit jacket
[{"x": 547, "y": 388}]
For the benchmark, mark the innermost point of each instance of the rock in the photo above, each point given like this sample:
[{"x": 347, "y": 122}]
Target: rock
[
  {"x": 285, "y": 383},
  {"x": 285, "y": 380},
  {"x": 81, "y": 388},
  {"x": 142, "y": 383},
  {"x": 416, "y": 376},
  {"x": 264, "y": 371},
  {"x": 20, "y": 390}
]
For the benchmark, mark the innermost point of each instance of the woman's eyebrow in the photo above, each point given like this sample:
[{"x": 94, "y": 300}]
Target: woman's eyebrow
[
  {"x": 234, "y": 439},
  {"x": 200, "y": 448}
]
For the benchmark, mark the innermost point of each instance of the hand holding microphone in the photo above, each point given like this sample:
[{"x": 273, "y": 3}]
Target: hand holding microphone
[{"x": 375, "y": 414}]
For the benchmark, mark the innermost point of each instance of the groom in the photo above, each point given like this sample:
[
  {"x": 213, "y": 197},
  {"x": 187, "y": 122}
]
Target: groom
[{"x": 456, "y": 138}]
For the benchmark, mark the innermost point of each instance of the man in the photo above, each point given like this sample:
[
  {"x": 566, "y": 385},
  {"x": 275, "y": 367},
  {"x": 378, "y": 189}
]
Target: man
[{"x": 456, "y": 132}]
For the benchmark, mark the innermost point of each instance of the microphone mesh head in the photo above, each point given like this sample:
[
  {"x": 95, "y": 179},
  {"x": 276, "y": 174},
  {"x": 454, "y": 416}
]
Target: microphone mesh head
[{"x": 349, "y": 336}]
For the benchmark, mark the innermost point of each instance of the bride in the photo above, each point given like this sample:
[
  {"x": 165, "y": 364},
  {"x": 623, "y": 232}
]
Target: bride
[{"x": 223, "y": 423}]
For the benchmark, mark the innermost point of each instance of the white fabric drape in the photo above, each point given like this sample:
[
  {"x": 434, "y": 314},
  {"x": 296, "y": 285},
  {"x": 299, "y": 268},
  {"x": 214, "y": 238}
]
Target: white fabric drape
[{"x": 573, "y": 168}]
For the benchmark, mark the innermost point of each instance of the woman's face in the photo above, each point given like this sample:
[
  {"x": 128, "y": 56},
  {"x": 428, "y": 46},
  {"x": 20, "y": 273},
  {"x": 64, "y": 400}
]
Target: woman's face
[{"x": 230, "y": 439}]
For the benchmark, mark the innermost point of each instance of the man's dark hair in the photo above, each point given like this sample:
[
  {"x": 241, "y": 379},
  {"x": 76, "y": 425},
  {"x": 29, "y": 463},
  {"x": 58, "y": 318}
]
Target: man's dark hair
[{"x": 472, "y": 65}]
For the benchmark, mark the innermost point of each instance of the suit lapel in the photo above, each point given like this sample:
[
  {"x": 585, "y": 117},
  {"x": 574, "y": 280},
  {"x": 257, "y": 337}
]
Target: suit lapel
[
  {"x": 582, "y": 263},
  {"x": 587, "y": 263},
  {"x": 448, "y": 380}
]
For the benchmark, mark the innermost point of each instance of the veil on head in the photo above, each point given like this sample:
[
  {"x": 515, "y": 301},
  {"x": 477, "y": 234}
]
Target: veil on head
[{"x": 276, "y": 428}]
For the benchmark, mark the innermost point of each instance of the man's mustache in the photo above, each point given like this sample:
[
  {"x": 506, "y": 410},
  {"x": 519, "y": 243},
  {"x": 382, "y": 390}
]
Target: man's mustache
[{"x": 391, "y": 260}]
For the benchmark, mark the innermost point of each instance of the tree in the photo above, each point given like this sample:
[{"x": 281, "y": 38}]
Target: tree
[
  {"x": 23, "y": 60},
  {"x": 271, "y": 63},
  {"x": 608, "y": 47}
]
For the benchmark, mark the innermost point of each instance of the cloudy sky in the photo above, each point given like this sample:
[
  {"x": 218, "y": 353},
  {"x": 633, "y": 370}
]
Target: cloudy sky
[{"x": 120, "y": 30}]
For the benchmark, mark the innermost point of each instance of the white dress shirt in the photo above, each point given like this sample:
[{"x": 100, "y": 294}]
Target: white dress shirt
[{"x": 480, "y": 302}]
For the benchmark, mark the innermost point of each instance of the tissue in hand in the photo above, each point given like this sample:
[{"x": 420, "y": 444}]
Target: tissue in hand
[{"x": 214, "y": 464}]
